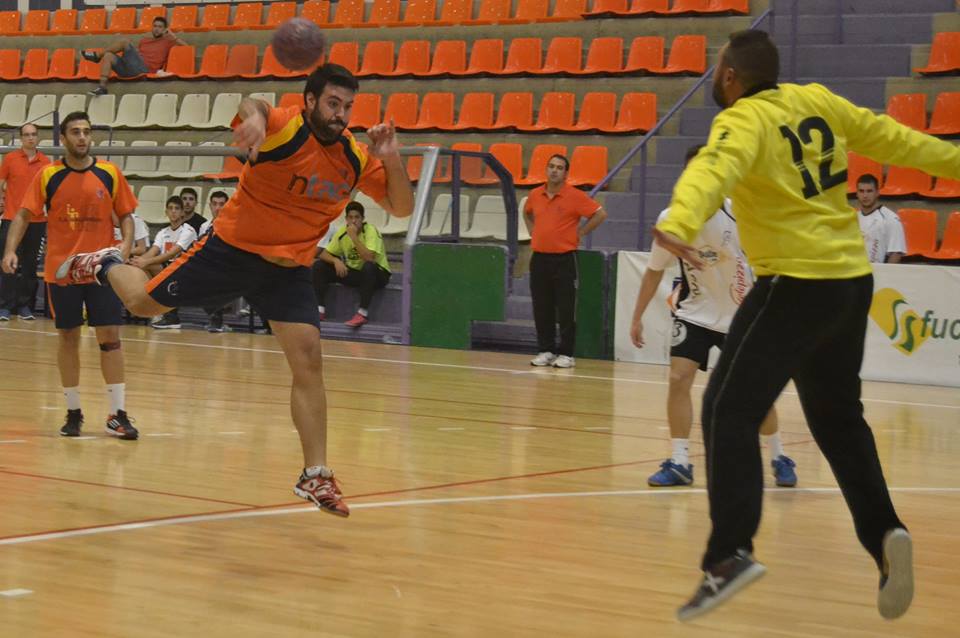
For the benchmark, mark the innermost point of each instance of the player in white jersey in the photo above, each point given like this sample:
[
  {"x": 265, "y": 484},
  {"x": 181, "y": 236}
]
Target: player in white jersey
[
  {"x": 881, "y": 228},
  {"x": 141, "y": 236},
  {"x": 706, "y": 300}
]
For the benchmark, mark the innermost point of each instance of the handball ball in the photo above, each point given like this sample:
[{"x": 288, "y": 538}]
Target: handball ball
[{"x": 298, "y": 44}]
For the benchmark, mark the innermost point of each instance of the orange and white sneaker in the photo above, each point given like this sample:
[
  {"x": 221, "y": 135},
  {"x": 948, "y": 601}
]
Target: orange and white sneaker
[
  {"x": 322, "y": 492},
  {"x": 120, "y": 425},
  {"x": 83, "y": 268}
]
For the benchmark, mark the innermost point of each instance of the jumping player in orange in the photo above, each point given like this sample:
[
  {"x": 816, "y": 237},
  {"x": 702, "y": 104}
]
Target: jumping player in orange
[{"x": 303, "y": 167}]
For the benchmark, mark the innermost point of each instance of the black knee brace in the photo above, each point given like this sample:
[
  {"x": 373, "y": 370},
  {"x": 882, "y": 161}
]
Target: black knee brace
[{"x": 109, "y": 345}]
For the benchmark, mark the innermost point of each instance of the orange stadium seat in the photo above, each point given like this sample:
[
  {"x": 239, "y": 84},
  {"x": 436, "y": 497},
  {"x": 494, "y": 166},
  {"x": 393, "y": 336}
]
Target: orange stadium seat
[
  {"x": 909, "y": 109},
  {"x": 436, "y": 112},
  {"x": 349, "y": 13},
  {"x": 413, "y": 58},
  {"x": 637, "y": 114},
  {"x": 919, "y": 229},
  {"x": 366, "y": 110},
  {"x": 858, "y": 166},
  {"x": 377, "y": 58},
  {"x": 598, "y": 112},
  {"x": 605, "y": 56},
  {"x": 531, "y": 11},
  {"x": 346, "y": 54},
  {"x": 486, "y": 57},
  {"x": 905, "y": 181},
  {"x": 35, "y": 64},
  {"x": 64, "y": 21},
  {"x": 524, "y": 56},
  {"x": 945, "y": 119},
  {"x": 493, "y": 12},
  {"x": 184, "y": 18},
  {"x": 277, "y": 14},
  {"x": 564, "y": 55},
  {"x": 511, "y": 156},
  {"x": 648, "y": 8},
  {"x": 9, "y": 22},
  {"x": 476, "y": 113},
  {"x": 588, "y": 165},
  {"x": 944, "y": 54},
  {"x": 945, "y": 188},
  {"x": 148, "y": 15},
  {"x": 564, "y": 10},
  {"x": 646, "y": 54},
  {"x": 471, "y": 168},
  {"x": 950, "y": 244},
  {"x": 449, "y": 58},
  {"x": 420, "y": 12},
  {"x": 516, "y": 110},
  {"x": 271, "y": 67},
  {"x": 537, "y": 168},
  {"x": 242, "y": 60},
  {"x": 36, "y": 22},
  {"x": 63, "y": 64},
  {"x": 296, "y": 99},
  {"x": 123, "y": 20},
  {"x": 688, "y": 54},
  {"x": 317, "y": 11},
  {"x": 402, "y": 109},
  {"x": 214, "y": 61},
  {"x": 555, "y": 113},
  {"x": 9, "y": 64},
  {"x": 607, "y": 9},
  {"x": 182, "y": 61},
  {"x": 455, "y": 12},
  {"x": 249, "y": 15},
  {"x": 215, "y": 17},
  {"x": 384, "y": 13},
  {"x": 93, "y": 21}
]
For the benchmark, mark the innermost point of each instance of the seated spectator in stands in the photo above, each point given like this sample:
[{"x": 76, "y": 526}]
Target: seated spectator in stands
[
  {"x": 881, "y": 228},
  {"x": 355, "y": 256},
  {"x": 129, "y": 61},
  {"x": 167, "y": 246},
  {"x": 214, "y": 314},
  {"x": 141, "y": 236},
  {"x": 190, "y": 215}
]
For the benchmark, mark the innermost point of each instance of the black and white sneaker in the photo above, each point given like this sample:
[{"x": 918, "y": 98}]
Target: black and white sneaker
[
  {"x": 720, "y": 583},
  {"x": 896, "y": 581},
  {"x": 120, "y": 425},
  {"x": 169, "y": 321},
  {"x": 73, "y": 423},
  {"x": 90, "y": 56}
]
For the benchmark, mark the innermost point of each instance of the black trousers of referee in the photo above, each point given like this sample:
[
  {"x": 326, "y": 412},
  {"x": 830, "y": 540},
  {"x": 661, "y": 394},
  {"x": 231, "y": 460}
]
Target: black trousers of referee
[
  {"x": 811, "y": 331},
  {"x": 368, "y": 279},
  {"x": 20, "y": 289},
  {"x": 553, "y": 286}
]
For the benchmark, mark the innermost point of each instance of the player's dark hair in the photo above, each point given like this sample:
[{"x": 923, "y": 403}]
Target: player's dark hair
[
  {"x": 175, "y": 199},
  {"x": 754, "y": 56},
  {"x": 28, "y": 124},
  {"x": 72, "y": 117},
  {"x": 160, "y": 19},
  {"x": 691, "y": 153},
  {"x": 562, "y": 158},
  {"x": 190, "y": 190},
  {"x": 869, "y": 178},
  {"x": 220, "y": 194},
  {"x": 357, "y": 206},
  {"x": 330, "y": 73}
]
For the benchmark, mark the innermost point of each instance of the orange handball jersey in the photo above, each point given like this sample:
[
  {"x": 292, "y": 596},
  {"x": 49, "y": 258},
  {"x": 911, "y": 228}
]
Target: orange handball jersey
[
  {"x": 288, "y": 196},
  {"x": 80, "y": 207}
]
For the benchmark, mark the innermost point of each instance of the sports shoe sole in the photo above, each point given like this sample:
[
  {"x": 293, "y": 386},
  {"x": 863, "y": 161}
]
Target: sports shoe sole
[
  {"x": 895, "y": 596},
  {"x": 307, "y": 496},
  {"x": 122, "y": 437},
  {"x": 749, "y": 575},
  {"x": 161, "y": 326}
]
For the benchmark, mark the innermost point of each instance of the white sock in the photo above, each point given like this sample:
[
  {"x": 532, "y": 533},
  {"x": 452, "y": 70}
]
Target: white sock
[
  {"x": 73, "y": 397},
  {"x": 775, "y": 445},
  {"x": 321, "y": 309},
  {"x": 681, "y": 451},
  {"x": 318, "y": 470},
  {"x": 362, "y": 312},
  {"x": 115, "y": 392}
]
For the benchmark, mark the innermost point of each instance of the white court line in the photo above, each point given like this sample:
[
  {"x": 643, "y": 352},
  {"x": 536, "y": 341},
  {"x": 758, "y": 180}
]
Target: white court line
[
  {"x": 83, "y": 438},
  {"x": 13, "y": 441},
  {"x": 160, "y": 434},
  {"x": 206, "y": 518},
  {"x": 376, "y": 429},
  {"x": 13, "y": 593},
  {"x": 451, "y": 429},
  {"x": 51, "y": 407},
  {"x": 432, "y": 364},
  {"x": 523, "y": 427},
  {"x": 232, "y": 433}
]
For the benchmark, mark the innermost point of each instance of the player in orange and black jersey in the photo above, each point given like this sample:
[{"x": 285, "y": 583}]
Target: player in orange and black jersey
[{"x": 302, "y": 168}]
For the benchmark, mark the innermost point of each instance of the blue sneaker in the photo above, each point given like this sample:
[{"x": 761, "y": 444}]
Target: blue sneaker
[
  {"x": 783, "y": 471},
  {"x": 671, "y": 475},
  {"x": 4, "y": 314}
]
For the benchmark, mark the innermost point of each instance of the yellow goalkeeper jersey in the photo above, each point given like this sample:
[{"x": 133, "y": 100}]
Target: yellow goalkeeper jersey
[{"x": 781, "y": 154}]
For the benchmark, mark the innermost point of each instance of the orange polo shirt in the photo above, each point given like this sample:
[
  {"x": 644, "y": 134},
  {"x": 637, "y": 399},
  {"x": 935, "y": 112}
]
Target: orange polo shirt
[
  {"x": 18, "y": 170},
  {"x": 155, "y": 51},
  {"x": 556, "y": 219}
]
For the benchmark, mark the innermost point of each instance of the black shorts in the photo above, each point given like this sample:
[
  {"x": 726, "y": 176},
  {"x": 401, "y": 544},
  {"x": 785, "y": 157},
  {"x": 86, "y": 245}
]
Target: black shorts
[
  {"x": 214, "y": 273},
  {"x": 67, "y": 303},
  {"x": 690, "y": 341}
]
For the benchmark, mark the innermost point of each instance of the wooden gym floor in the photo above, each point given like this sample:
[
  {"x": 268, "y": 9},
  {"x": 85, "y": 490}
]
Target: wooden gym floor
[{"x": 489, "y": 499}]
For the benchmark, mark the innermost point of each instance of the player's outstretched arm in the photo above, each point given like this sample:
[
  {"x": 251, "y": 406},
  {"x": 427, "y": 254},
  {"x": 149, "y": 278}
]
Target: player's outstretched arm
[
  {"x": 252, "y": 130},
  {"x": 385, "y": 147}
]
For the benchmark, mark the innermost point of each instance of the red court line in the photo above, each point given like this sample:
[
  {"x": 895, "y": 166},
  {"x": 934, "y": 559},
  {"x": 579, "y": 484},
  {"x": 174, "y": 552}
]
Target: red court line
[{"x": 127, "y": 489}]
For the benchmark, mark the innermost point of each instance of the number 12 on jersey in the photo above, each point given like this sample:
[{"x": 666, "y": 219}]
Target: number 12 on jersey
[{"x": 803, "y": 137}]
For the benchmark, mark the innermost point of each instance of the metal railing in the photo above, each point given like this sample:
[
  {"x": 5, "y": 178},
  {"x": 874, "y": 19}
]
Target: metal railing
[{"x": 641, "y": 146}]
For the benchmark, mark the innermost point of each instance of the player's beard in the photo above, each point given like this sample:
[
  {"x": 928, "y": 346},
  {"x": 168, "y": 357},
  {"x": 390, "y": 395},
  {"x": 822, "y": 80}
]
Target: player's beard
[
  {"x": 718, "y": 96},
  {"x": 324, "y": 130}
]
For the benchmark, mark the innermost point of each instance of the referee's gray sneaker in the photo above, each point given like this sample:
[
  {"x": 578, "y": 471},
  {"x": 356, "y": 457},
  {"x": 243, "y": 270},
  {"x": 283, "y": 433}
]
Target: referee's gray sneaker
[
  {"x": 720, "y": 583},
  {"x": 896, "y": 579}
]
